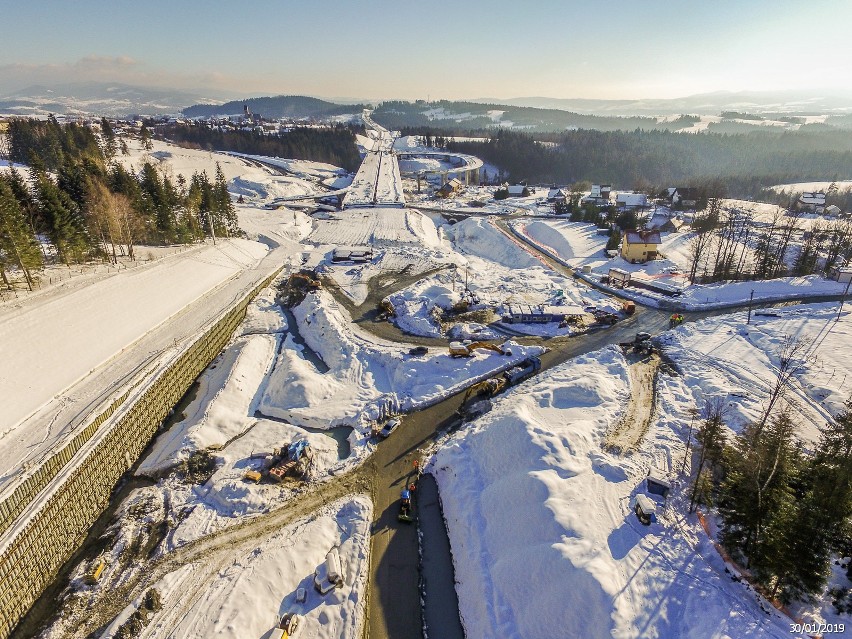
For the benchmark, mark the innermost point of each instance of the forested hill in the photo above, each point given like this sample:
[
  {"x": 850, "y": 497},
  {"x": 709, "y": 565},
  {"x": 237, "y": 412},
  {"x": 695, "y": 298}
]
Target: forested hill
[
  {"x": 273, "y": 108},
  {"x": 334, "y": 145},
  {"x": 743, "y": 163}
]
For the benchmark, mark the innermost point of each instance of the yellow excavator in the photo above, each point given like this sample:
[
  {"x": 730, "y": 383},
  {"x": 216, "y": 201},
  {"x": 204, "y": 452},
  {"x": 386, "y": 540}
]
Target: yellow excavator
[
  {"x": 485, "y": 388},
  {"x": 385, "y": 309},
  {"x": 462, "y": 349}
]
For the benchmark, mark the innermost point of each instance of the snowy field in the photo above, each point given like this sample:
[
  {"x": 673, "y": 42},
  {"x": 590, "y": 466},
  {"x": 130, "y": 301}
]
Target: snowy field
[
  {"x": 373, "y": 226},
  {"x": 724, "y": 357},
  {"x": 56, "y": 340},
  {"x": 543, "y": 537}
]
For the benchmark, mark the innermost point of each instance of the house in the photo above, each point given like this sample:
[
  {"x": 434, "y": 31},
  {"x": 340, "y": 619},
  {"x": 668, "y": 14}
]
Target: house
[
  {"x": 542, "y": 314},
  {"x": 518, "y": 190},
  {"x": 629, "y": 200},
  {"x": 556, "y": 195},
  {"x": 454, "y": 185},
  {"x": 640, "y": 246},
  {"x": 832, "y": 209},
  {"x": 664, "y": 224},
  {"x": 685, "y": 196},
  {"x": 599, "y": 195},
  {"x": 811, "y": 202}
]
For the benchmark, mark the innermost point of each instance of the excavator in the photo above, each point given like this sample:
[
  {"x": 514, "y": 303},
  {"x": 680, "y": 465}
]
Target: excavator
[
  {"x": 485, "y": 388},
  {"x": 461, "y": 349},
  {"x": 385, "y": 309}
]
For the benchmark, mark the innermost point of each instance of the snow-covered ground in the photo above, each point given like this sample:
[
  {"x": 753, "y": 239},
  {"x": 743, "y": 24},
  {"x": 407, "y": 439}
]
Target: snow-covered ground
[
  {"x": 53, "y": 342},
  {"x": 543, "y": 537},
  {"x": 256, "y": 583},
  {"x": 577, "y": 245},
  {"x": 500, "y": 272},
  {"x": 373, "y": 226}
]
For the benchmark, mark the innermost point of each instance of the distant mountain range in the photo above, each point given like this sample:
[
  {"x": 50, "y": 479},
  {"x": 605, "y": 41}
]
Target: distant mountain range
[
  {"x": 282, "y": 106},
  {"x": 100, "y": 98},
  {"x": 787, "y": 102},
  {"x": 532, "y": 113}
]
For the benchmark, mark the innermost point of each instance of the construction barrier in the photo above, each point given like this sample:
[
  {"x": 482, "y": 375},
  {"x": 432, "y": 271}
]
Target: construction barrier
[{"x": 74, "y": 485}]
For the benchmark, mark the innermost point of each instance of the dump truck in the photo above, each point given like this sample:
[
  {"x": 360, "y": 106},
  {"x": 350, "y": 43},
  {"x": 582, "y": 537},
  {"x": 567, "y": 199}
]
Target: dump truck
[{"x": 523, "y": 370}]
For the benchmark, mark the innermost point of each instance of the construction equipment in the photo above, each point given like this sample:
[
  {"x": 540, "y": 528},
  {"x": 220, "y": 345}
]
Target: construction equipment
[
  {"x": 482, "y": 391},
  {"x": 628, "y": 306},
  {"x": 385, "y": 309},
  {"x": 465, "y": 349},
  {"x": 294, "y": 460},
  {"x": 406, "y": 504},
  {"x": 641, "y": 344},
  {"x": 605, "y": 317},
  {"x": 299, "y": 285},
  {"x": 485, "y": 388},
  {"x": 252, "y": 475},
  {"x": 94, "y": 575}
]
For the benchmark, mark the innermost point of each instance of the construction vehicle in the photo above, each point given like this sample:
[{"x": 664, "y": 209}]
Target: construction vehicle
[
  {"x": 675, "y": 320},
  {"x": 628, "y": 306},
  {"x": 482, "y": 391},
  {"x": 465, "y": 349},
  {"x": 385, "y": 309},
  {"x": 640, "y": 345},
  {"x": 94, "y": 575},
  {"x": 298, "y": 286},
  {"x": 406, "y": 505},
  {"x": 605, "y": 317},
  {"x": 289, "y": 627},
  {"x": 523, "y": 370}
]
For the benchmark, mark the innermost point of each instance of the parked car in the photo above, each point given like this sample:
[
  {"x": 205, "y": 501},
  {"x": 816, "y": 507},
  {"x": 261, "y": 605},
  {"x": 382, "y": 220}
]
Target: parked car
[
  {"x": 391, "y": 425},
  {"x": 418, "y": 350}
]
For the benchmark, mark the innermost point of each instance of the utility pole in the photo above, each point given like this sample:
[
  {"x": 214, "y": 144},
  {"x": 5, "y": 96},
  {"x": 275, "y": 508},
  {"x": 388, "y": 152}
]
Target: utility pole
[
  {"x": 694, "y": 413},
  {"x": 842, "y": 300},
  {"x": 750, "y": 298}
]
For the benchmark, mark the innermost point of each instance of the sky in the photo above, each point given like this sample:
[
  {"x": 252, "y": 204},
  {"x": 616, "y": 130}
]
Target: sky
[{"x": 383, "y": 49}]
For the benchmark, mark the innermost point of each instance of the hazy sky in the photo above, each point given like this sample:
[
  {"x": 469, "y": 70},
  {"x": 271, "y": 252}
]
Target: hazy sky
[{"x": 432, "y": 48}]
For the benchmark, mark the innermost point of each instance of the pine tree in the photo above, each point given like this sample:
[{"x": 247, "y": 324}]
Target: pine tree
[
  {"x": 757, "y": 500},
  {"x": 109, "y": 139},
  {"x": 18, "y": 244},
  {"x": 64, "y": 224},
  {"x": 709, "y": 446}
]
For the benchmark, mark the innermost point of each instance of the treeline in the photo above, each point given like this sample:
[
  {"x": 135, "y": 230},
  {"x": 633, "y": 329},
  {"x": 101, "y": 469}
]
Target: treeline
[
  {"x": 77, "y": 204},
  {"x": 742, "y": 164},
  {"x": 785, "y": 513},
  {"x": 332, "y": 145},
  {"x": 276, "y": 108},
  {"x": 451, "y": 117},
  {"x": 727, "y": 244}
]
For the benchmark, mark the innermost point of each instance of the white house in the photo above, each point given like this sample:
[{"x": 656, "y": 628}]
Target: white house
[
  {"x": 599, "y": 195},
  {"x": 629, "y": 200}
]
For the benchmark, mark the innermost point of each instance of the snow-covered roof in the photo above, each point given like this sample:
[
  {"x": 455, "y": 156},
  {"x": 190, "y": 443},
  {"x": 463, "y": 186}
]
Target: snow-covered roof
[
  {"x": 643, "y": 237},
  {"x": 516, "y": 189},
  {"x": 812, "y": 198}
]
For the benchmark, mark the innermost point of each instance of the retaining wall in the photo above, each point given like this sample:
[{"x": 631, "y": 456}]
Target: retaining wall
[{"x": 48, "y": 518}]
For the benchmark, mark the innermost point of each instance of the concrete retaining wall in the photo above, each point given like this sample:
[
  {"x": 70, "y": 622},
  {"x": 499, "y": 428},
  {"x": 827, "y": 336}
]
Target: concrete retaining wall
[{"x": 74, "y": 486}]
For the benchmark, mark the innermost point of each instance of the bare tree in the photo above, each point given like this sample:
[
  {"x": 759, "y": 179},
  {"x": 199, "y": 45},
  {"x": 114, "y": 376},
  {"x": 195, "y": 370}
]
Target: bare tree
[{"x": 793, "y": 355}]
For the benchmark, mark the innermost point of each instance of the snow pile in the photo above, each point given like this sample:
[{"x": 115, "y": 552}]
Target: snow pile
[
  {"x": 543, "y": 537},
  {"x": 478, "y": 236},
  {"x": 256, "y": 583},
  {"x": 365, "y": 378},
  {"x": 301, "y": 168},
  {"x": 224, "y": 406}
]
